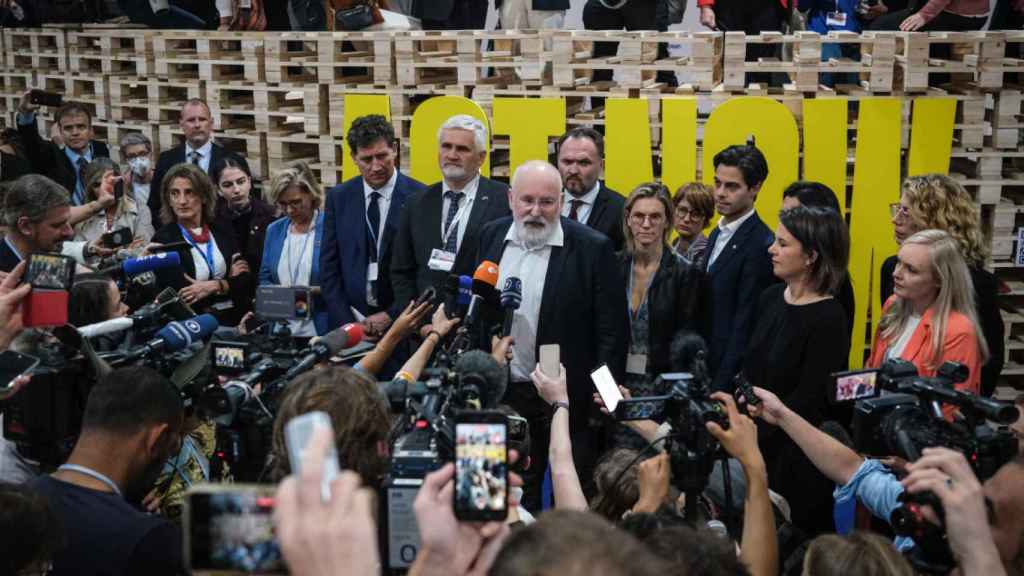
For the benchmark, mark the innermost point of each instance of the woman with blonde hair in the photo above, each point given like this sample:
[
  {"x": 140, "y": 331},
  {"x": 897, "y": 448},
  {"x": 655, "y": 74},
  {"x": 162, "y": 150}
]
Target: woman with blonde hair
[
  {"x": 930, "y": 318},
  {"x": 938, "y": 202},
  {"x": 857, "y": 554},
  {"x": 291, "y": 251},
  {"x": 124, "y": 213}
]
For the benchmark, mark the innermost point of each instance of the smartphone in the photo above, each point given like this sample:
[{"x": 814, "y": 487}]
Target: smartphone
[
  {"x": 648, "y": 408},
  {"x": 254, "y": 323},
  {"x": 481, "y": 466},
  {"x": 44, "y": 98},
  {"x": 853, "y": 385},
  {"x": 50, "y": 276},
  {"x": 117, "y": 238},
  {"x": 550, "y": 359},
  {"x": 230, "y": 357},
  {"x": 12, "y": 365},
  {"x": 229, "y": 529},
  {"x": 297, "y": 435},
  {"x": 606, "y": 387},
  {"x": 429, "y": 295},
  {"x": 744, "y": 389}
]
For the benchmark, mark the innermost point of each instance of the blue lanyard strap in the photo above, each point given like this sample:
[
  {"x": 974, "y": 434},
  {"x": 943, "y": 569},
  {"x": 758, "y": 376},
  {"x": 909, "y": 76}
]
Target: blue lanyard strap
[
  {"x": 92, "y": 474},
  {"x": 208, "y": 257}
]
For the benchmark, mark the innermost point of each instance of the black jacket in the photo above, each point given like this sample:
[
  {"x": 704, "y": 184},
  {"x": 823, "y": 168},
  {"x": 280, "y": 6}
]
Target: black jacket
[
  {"x": 606, "y": 216},
  {"x": 50, "y": 160},
  {"x": 671, "y": 302},
  {"x": 8, "y": 259},
  {"x": 239, "y": 287}
]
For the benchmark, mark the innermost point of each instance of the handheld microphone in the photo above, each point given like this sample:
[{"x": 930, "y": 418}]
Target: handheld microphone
[
  {"x": 450, "y": 294},
  {"x": 511, "y": 297},
  {"x": 485, "y": 280},
  {"x": 106, "y": 327},
  {"x": 136, "y": 266},
  {"x": 333, "y": 342},
  {"x": 176, "y": 336},
  {"x": 462, "y": 298}
]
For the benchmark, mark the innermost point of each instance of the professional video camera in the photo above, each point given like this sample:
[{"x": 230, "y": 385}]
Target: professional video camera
[
  {"x": 686, "y": 405},
  {"x": 911, "y": 419}
]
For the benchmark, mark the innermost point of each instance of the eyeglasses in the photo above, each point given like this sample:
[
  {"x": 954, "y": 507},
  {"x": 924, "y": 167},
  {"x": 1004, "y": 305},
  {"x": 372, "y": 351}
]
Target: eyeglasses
[
  {"x": 653, "y": 219},
  {"x": 688, "y": 214},
  {"x": 898, "y": 210}
]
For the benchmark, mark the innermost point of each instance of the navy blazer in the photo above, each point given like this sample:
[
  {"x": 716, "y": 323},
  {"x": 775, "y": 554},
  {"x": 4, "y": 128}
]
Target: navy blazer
[
  {"x": 272, "y": 248},
  {"x": 606, "y": 216},
  {"x": 345, "y": 253},
  {"x": 730, "y": 294},
  {"x": 583, "y": 307}
]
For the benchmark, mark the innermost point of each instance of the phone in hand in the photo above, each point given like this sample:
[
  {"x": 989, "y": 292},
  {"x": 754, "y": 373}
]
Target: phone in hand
[
  {"x": 297, "y": 435},
  {"x": 44, "y": 98},
  {"x": 117, "y": 238},
  {"x": 481, "y": 466},
  {"x": 606, "y": 387},
  {"x": 429, "y": 295},
  {"x": 550, "y": 360},
  {"x": 12, "y": 365},
  {"x": 50, "y": 276},
  {"x": 229, "y": 529},
  {"x": 648, "y": 408},
  {"x": 853, "y": 385}
]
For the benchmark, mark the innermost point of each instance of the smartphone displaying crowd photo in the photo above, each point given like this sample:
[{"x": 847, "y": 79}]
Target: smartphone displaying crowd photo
[
  {"x": 229, "y": 529},
  {"x": 481, "y": 466},
  {"x": 50, "y": 276}
]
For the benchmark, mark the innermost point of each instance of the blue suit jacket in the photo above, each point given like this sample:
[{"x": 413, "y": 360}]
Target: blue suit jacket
[
  {"x": 345, "y": 254},
  {"x": 730, "y": 294},
  {"x": 272, "y": 247}
]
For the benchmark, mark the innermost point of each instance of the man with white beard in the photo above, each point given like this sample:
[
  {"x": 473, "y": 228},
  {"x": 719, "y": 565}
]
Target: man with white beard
[
  {"x": 573, "y": 295},
  {"x": 439, "y": 227}
]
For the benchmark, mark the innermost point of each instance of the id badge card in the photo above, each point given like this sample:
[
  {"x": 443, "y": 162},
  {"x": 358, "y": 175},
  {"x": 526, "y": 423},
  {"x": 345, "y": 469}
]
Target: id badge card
[
  {"x": 836, "y": 19},
  {"x": 371, "y": 272},
  {"x": 441, "y": 261},
  {"x": 636, "y": 364}
]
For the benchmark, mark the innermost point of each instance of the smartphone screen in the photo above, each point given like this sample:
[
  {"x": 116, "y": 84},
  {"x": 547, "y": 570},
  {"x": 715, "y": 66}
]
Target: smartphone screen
[
  {"x": 12, "y": 365},
  {"x": 50, "y": 271},
  {"x": 550, "y": 359},
  {"x": 297, "y": 435},
  {"x": 606, "y": 387},
  {"x": 651, "y": 408},
  {"x": 481, "y": 466},
  {"x": 854, "y": 385},
  {"x": 230, "y": 357},
  {"x": 232, "y": 530}
]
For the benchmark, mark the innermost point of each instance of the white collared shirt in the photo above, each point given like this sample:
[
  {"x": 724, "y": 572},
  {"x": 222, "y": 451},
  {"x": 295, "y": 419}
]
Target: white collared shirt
[
  {"x": 384, "y": 204},
  {"x": 531, "y": 267},
  {"x": 725, "y": 233},
  {"x": 588, "y": 199},
  {"x": 466, "y": 206},
  {"x": 205, "y": 151}
]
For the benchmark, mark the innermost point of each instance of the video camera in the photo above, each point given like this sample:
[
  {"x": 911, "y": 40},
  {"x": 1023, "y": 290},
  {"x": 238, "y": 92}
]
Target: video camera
[{"x": 911, "y": 419}]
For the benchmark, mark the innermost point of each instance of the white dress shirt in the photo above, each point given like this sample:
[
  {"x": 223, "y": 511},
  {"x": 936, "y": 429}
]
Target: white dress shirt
[
  {"x": 588, "y": 199},
  {"x": 466, "y": 207},
  {"x": 531, "y": 267},
  {"x": 205, "y": 151},
  {"x": 384, "y": 204},
  {"x": 725, "y": 233}
]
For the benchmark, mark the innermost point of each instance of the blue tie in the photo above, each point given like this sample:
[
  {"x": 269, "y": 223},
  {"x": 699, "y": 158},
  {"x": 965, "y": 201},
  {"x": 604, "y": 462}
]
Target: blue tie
[
  {"x": 80, "y": 182},
  {"x": 452, "y": 239}
]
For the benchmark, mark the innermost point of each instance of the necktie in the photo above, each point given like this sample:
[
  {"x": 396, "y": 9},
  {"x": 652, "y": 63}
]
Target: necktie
[
  {"x": 80, "y": 185},
  {"x": 574, "y": 206},
  {"x": 194, "y": 157},
  {"x": 373, "y": 217},
  {"x": 452, "y": 239}
]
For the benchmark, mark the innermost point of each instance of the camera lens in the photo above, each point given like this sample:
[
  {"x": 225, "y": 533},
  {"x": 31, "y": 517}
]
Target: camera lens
[{"x": 908, "y": 520}]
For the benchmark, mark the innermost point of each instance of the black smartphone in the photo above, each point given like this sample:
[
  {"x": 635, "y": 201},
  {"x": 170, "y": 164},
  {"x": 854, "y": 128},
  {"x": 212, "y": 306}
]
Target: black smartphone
[
  {"x": 229, "y": 529},
  {"x": 744, "y": 389},
  {"x": 44, "y": 98},
  {"x": 12, "y": 365},
  {"x": 853, "y": 385},
  {"x": 254, "y": 323},
  {"x": 119, "y": 190},
  {"x": 230, "y": 357},
  {"x": 118, "y": 238},
  {"x": 649, "y": 408},
  {"x": 429, "y": 295},
  {"x": 481, "y": 466}
]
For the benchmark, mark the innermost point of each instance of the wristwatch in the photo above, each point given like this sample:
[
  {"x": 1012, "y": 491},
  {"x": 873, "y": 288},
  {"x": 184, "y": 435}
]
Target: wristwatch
[{"x": 558, "y": 404}]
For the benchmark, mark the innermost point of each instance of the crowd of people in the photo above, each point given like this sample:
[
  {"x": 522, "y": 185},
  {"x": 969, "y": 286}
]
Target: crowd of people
[{"x": 601, "y": 275}]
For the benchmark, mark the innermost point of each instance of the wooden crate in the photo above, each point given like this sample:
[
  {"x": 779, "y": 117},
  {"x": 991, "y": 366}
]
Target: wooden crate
[
  {"x": 36, "y": 49},
  {"x": 915, "y": 66},
  {"x": 120, "y": 52},
  {"x": 1007, "y": 119},
  {"x": 220, "y": 56},
  {"x": 360, "y": 57},
  {"x": 151, "y": 100},
  {"x": 292, "y": 57},
  {"x": 275, "y": 110},
  {"x": 514, "y": 56},
  {"x": 425, "y": 57},
  {"x": 90, "y": 90}
]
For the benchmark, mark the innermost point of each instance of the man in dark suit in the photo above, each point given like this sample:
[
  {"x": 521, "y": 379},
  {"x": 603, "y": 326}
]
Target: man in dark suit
[
  {"x": 573, "y": 295},
  {"x": 199, "y": 148},
  {"x": 736, "y": 262},
  {"x": 37, "y": 216},
  {"x": 360, "y": 223},
  {"x": 587, "y": 200},
  {"x": 439, "y": 227},
  {"x": 64, "y": 166}
]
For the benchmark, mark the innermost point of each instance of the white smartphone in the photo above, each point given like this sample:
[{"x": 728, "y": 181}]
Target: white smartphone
[
  {"x": 550, "y": 360},
  {"x": 606, "y": 387},
  {"x": 297, "y": 435}
]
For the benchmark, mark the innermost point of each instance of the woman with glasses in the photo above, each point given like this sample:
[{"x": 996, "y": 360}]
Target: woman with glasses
[
  {"x": 661, "y": 290},
  {"x": 799, "y": 340},
  {"x": 124, "y": 213},
  {"x": 934, "y": 201},
  {"x": 291, "y": 252},
  {"x": 694, "y": 206}
]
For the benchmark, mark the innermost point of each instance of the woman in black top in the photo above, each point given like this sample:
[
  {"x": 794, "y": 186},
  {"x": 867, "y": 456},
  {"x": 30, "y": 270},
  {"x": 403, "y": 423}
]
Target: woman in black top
[
  {"x": 800, "y": 338},
  {"x": 213, "y": 276}
]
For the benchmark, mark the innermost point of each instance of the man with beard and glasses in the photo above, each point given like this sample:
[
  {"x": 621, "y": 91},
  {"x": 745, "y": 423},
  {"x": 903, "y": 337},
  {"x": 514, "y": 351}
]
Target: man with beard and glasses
[
  {"x": 132, "y": 424},
  {"x": 587, "y": 200},
  {"x": 573, "y": 295}
]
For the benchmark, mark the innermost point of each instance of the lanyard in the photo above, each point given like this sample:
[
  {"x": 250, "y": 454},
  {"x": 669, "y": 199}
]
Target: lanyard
[
  {"x": 208, "y": 257},
  {"x": 455, "y": 220},
  {"x": 629, "y": 292},
  {"x": 92, "y": 474},
  {"x": 305, "y": 243}
]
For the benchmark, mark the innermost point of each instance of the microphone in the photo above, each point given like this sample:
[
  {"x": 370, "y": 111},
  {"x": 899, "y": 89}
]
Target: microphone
[
  {"x": 176, "y": 336},
  {"x": 136, "y": 266},
  {"x": 511, "y": 297},
  {"x": 106, "y": 327},
  {"x": 450, "y": 293},
  {"x": 330, "y": 344},
  {"x": 462, "y": 298},
  {"x": 485, "y": 280},
  {"x": 481, "y": 378}
]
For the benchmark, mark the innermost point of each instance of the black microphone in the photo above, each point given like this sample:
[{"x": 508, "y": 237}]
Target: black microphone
[
  {"x": 450, "y": 293},
  {"x": 333, "y": 342},
  {"x": 478, "y": 369},
  {"x": 511, "y": 297}
]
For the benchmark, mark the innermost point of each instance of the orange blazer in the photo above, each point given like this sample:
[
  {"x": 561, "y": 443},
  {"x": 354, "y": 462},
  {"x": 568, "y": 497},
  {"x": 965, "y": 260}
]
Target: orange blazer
[{"x": 960, "y": 345}]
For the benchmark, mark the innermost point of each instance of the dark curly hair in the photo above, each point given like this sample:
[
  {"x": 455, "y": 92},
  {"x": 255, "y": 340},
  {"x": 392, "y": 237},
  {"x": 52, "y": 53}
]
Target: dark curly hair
[
  {"x": 367, "y": 131},
  {"x": 32, "y": 532}
]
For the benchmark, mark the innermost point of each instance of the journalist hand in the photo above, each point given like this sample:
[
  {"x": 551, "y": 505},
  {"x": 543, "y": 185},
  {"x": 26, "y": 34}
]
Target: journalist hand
[
  {"x": 333, "y": 538},
  {"x": 441, "y": 323},
  {"x": 740, "y": 440},
  {"x": 771, "y": 410},
  {"x": 407, "y": 321},
  {"x": 551, "y": 389},
  {"x": 11, "y": 295},
  {"x": 653, "y": 477}
]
